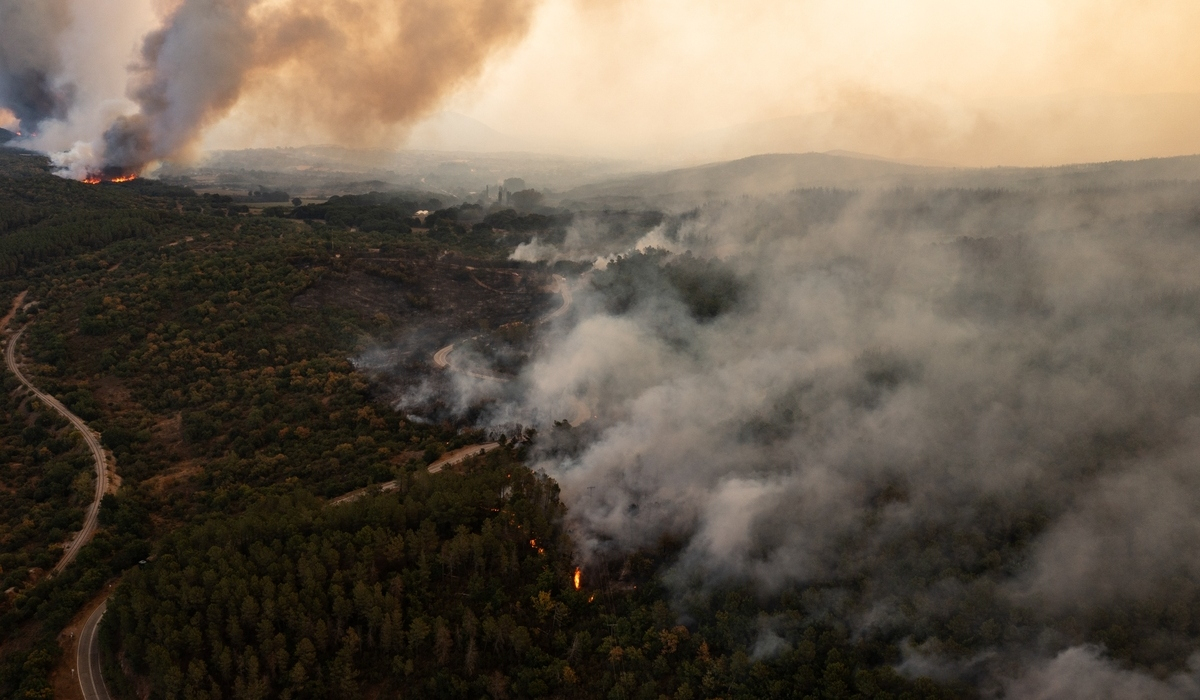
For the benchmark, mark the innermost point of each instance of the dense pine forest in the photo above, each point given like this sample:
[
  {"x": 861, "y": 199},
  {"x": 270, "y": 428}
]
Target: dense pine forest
[
  {"x": 456, "y": 585},
  {"x": 211, "y": 349}
]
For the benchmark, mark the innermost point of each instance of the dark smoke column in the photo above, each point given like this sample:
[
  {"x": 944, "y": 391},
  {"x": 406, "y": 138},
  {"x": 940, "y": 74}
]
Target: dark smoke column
[
  {"x": 353, "y": 69},
  {"x": 191, "y": 73},
  {"x": 30, "y": 63}
]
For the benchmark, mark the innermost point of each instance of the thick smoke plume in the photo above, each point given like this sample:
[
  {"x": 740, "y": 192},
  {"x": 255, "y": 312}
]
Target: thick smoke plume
[
  {"x": 31, "y": 66},
  {"x": 353, "y": 68},
  {"x": 968, "y": 418}
]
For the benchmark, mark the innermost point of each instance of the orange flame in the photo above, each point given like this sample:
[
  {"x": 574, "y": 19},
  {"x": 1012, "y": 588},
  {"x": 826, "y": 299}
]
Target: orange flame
[
  {"x": 578, "y": 578},
  {"x": 97, "y": 179}
]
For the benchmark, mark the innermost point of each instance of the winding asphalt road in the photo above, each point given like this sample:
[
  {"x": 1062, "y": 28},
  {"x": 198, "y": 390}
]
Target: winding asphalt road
[
  {"x": 87, "y": 655},
  {"x": 87, "y": 658},
  {"x": 93, "y": 441}
]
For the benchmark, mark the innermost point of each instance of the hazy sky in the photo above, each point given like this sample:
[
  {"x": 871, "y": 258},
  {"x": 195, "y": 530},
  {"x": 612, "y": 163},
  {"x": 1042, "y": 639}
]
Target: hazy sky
[
  {"x": 612, "y": 74},
  {"x": 1020, "y": 82}
]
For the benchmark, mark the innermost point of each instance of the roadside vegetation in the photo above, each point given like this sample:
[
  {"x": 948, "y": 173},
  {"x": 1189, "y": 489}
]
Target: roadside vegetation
[{"x": 47, "y": 478}]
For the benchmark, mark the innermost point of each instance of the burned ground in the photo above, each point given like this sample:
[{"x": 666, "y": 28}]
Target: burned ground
[
  {"x": 419, "y": 304},
  {"x": 439, "y": 298}
]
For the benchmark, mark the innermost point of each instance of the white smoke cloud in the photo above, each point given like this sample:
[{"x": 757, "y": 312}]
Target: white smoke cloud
[
  {"x": 1081, "y": 673},
  {"x": 140, "y": 81},
  {"x": 32, "y": 85},
  {"x": 950, "y": 396},
  {"x": 92, "y": 49},
  {"x": 1122, "y": 536}
]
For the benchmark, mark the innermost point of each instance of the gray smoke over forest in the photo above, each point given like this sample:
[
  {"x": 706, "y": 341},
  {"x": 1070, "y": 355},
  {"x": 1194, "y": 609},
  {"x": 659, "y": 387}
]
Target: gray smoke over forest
[
  {"x": 31, "y": 66},
  {"x": 969, "y": 419},
  {"x": 355, "y": 70}
]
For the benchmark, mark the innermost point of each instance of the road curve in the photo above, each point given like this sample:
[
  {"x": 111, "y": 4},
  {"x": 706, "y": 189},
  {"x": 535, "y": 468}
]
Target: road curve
[
  {"x": 87, "y": 658},
  {"x": 91, "y": 520},
  {"x": 564, "y": 290},
  {"x": 441, "y": 358}
]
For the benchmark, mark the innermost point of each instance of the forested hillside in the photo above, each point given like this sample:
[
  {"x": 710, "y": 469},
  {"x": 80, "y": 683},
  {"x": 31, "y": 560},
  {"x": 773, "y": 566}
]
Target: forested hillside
[
  {"x": 178, "y": 342},
  {"x": 211, "y": 349},
  {"x": 48, "y": 474},
  {"x": 455, "y": 586}
]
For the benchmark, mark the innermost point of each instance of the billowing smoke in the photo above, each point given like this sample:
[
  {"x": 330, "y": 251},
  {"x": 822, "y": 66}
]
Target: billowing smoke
[
  {"x": 1080, "y": 673},
  {"x": 354, "y": 69},
  {"x": 968, "y": 418},
  {"x": 31, "y": 84}
]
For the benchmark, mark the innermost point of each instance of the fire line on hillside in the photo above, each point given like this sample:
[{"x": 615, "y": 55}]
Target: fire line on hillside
[{"x": 97, "y": 179}]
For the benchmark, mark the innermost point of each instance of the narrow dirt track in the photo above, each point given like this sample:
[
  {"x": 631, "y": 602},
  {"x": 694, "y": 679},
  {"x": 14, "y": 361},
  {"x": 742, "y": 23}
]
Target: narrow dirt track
[
  {"x": 87, "y": 654},
  {"x": 13, "y": 311},
  {"x": 449, "y": 459},
  {"x": 441, "y": 358},
  {"x": 91, "y": 520},
  {"x": 460, "y": 455}
]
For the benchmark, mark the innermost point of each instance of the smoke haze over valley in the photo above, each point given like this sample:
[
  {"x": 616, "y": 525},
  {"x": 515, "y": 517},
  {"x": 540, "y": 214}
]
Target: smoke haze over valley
[
  {"x": 668, "y": 350},
  {"x": 963, "y": 417}
]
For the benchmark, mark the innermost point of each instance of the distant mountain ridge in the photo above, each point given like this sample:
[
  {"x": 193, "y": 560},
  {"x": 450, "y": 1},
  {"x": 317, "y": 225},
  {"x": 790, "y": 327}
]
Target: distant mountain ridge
[
  {"x": 761, "y": 174},
  {"x": 781, "y": 172},
  {"x": 1030, "y": 132}
]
